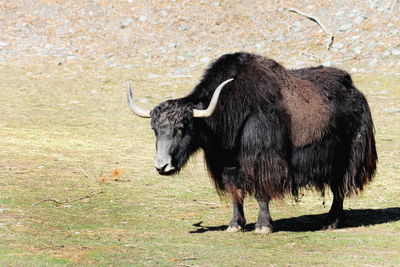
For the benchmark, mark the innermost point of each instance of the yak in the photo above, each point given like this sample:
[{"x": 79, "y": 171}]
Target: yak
[{"x": 271, "y": 132}]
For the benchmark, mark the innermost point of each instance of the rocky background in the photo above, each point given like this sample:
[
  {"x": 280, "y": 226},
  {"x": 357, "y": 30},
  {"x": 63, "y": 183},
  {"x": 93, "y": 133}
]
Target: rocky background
[{"x": 184, "y": 36}]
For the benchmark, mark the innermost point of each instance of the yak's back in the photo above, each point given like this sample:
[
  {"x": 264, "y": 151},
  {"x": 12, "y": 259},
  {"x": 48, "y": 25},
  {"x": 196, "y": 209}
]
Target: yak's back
[{"x": 292, "y": 92}]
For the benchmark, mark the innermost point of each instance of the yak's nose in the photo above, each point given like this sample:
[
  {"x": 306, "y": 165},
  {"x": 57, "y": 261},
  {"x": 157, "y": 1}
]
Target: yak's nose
[
  {"x": 161, "y": 169},
  {"x": 163, "y": 165}
]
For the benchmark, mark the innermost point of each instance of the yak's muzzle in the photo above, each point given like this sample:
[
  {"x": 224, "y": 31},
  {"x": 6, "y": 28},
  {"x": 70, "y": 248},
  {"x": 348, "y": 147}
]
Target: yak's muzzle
[{"x": 163, "y": 165}]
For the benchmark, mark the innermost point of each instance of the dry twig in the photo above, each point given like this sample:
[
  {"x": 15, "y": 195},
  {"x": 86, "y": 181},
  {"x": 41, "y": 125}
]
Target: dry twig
[
  {"x": 316, "y": 20},
  {"x": 84, "y": 173},
  {"x": 88, "y": 195}
]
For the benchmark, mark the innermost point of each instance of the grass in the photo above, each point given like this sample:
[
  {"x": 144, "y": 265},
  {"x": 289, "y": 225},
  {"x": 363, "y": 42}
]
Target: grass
[{"x": 64, "y": 127}]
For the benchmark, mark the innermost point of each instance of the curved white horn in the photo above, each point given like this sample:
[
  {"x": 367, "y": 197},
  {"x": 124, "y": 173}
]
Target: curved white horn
[
  {"x": 197, "y": 113},
  {"x": 134, "y": 107}
]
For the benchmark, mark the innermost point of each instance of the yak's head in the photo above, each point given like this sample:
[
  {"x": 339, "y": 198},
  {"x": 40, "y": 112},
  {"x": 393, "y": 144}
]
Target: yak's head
[{"x": 172, "y": 122}]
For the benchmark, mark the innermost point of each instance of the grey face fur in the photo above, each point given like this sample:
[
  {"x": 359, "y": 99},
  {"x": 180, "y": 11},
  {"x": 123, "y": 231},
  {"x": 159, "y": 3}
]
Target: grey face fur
[{"x": 172, "y": 122}]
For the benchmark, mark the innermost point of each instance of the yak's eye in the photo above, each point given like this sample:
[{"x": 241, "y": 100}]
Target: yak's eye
[
  {"x": 176, "y": 132},
  {"x": 179, "y": 131}
]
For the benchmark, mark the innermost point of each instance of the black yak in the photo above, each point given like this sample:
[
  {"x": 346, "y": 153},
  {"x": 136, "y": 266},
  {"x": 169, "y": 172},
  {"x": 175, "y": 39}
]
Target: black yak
[{"x": 270, "y": 132}]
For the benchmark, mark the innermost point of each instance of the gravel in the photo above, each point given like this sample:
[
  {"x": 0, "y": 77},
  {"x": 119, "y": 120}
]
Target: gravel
[{"x": 189, "y": 35}]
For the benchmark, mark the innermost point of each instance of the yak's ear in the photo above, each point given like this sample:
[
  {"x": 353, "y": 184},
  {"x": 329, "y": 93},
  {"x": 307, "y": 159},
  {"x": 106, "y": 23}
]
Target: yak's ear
[{"x": 198, "y": 113}]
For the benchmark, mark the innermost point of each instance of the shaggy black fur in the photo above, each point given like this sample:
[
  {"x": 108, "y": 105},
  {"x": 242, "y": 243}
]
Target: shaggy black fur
[{"x": 274, "y": 130}]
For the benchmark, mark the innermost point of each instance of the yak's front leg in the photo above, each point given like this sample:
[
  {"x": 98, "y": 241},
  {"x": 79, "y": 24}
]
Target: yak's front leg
[
  {"x": 238, "y": 221},
  {"x": 232, "y": 183},
  {"x": 264, "y": 222}
]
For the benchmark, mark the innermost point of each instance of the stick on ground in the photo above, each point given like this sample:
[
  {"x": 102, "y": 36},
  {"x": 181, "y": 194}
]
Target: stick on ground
[
  {"x": 316, "y": 20},
  {"x": 88, "y": 195}
]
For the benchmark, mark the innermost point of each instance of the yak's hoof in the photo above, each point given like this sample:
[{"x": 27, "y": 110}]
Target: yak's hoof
[
  {"x": 263, "y": 230},
  {"x": 234, "y": 229},
  {"x": 331, "y": 225},
  {"x": 334, "y": 223}
]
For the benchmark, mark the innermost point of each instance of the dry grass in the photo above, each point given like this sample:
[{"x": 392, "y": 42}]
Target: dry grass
[{"x": 57, "y": 120}]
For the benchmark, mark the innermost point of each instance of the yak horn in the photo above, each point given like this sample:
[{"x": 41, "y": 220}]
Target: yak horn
[
  {"x": 134, "y": 107},
  {"x": 197, "y": 113}
]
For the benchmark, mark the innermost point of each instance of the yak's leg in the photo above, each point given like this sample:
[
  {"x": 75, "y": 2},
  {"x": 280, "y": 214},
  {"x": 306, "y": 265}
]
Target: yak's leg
[
  {"x": 336, "y": 213},
  {"x": 264, "y": 222},
  {"x": 231, "y": 180},
  {"x": 238, "y": 221}
]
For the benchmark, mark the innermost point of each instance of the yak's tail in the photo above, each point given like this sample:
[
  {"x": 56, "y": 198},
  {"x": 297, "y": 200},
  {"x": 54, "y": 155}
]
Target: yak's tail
[{"x": 362, "y": 157}]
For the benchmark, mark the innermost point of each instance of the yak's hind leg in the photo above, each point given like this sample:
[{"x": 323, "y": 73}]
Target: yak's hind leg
[
  {"x": 232, "y": 181},
  {"x": 264, "y": 222},
  {"x": 336, "y": 214}
]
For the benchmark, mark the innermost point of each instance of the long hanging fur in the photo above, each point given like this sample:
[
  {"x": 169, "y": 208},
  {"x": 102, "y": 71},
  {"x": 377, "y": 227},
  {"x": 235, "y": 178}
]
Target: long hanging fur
[{"x": 276, "y": 131}]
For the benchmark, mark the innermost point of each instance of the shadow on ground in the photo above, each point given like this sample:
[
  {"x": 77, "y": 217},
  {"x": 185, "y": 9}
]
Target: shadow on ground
[{"x": 354, "y": 218}]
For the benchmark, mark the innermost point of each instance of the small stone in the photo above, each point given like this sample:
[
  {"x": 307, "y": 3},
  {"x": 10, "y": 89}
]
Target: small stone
[
  {"x": 143, "y": 18},
  {"x": 339, "y": 14},
  {"x": 126, "y": 23},
  {"x": 353, "y": 69},
  {"x": 205, "y": 59},
  {"x": 372, "y": 45},
  {"x": 153, "y": 76},
  {"x": 345, "y": 27},
  {"x": 357, "y": 50},
  {"x": 327, "y": 64},
  {"x": 338, "y": 46},
  {"x": 383, "y": 92},
  {"x": 359, "y": 19},
  {"x": 75, "y": 102},
  {"x": 182, "y": 28},
  {"x": 143, "y": 100},
  {"x": 1, "y": 209},
  {"x": 373, "y": 62},
  {"x": 3, "y": 44},
  {"x": 181, "y": 58},
  {"x": 392, "y": 110},
  {"x": 396, "y": 52},
  {"x": 373, "y": 3}
]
